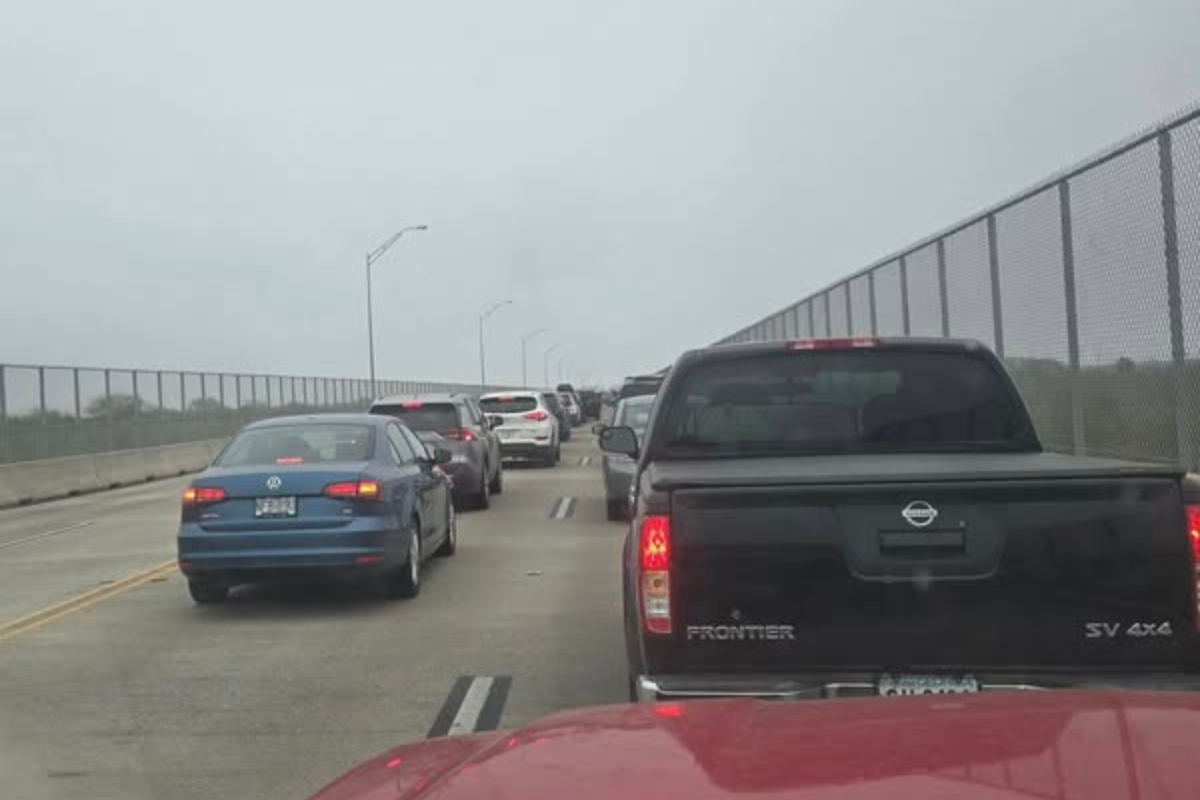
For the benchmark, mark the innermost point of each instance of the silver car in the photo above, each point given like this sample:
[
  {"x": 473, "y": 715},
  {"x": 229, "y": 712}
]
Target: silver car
[{"x": 618, "y": 469}]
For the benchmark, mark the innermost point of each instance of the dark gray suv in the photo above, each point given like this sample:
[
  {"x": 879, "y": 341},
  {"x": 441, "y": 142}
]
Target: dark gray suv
[{"x": 476, "y": 467}]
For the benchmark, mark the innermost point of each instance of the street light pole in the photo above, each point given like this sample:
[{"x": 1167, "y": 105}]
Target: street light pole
[
  {"x": 524, "y": 368},
  {"x": 482, "y": 362},
  {"x": 371, "y": 258},
  {"x": 546, "y": 363},
  {"x": 561, "y": 360}
]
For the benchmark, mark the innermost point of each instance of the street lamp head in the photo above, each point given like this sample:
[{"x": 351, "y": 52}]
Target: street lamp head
[{"x": 421, "y": 227}]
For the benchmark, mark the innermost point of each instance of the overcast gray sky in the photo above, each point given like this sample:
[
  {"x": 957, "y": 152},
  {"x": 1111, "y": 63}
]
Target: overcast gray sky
[{"x": 194, "y": 185}]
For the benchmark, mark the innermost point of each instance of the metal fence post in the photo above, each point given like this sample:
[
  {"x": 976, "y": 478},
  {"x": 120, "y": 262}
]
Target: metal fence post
[
  {"x": 994, "y": 265},
  {"x": 135, "y": 428},
  {"x": 904, "y": 296},
  {"x": 160, "y": 427},
  {"x": 942, "y": 287},
  {"x": 44, "y": 423},
  {"x": 4, "y": 454},
  {"x": 108, "y": 410},
  {"x": 1078, "y": 430},
  {"x": 871, "y": 297},
  {"x": 828, "y": 316},
  {"x": 1166, "y": 173},
  {"x": 849, "y": 310}
]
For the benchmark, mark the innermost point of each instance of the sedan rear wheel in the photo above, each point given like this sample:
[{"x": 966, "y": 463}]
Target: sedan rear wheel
[
  {"x": 208, "y": 593},
  {"x": 497, "y": 485},
  {"x": 407, "y": 582},
  {"x": 450, "y": 546},
  {"x": 483, "y": 498}
]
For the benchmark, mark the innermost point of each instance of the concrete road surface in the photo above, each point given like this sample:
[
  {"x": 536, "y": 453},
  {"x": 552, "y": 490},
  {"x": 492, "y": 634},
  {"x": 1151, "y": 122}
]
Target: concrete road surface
[{"x": 114, "y": 685}]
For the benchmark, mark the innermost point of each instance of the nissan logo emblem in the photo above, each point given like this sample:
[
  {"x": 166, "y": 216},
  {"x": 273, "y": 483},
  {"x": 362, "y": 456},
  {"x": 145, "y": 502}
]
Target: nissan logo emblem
[
  {"x": 919, "y": 514},
  {"x": 274, "y": 482}
]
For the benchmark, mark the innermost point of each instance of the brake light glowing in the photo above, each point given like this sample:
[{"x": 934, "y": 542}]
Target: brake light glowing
[
  {"x": 289, "y": 460},
  {"x": 1193, "y": 524},
  {"x": 656, "y": 542},
  {"x": 655, "y": 556},
  {"x": 203, "y": 495},
  {"x": 411, "y": 404},
  {"x": 833, "y": 344},
  {"x": 353, "y": 490},
  {"x": 460, "y": 434},
  {"x": 1191, "y": 515},
  {"x": 537, "y": 416}
]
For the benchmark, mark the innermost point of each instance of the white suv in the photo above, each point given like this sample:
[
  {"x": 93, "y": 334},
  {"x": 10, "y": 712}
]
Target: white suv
[{"x": 528, "y": 428}]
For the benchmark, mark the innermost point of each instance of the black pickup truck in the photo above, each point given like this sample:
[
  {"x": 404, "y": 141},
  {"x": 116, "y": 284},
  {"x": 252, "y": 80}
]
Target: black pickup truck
[{"x": 877, "y": 516}]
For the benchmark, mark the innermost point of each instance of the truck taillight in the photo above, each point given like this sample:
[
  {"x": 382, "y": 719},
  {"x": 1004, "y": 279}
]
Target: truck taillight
[
  {"x": 654, "y": 545},
  {"x": 1191, "y": 515},
  {"x": 203, "y": 495}
]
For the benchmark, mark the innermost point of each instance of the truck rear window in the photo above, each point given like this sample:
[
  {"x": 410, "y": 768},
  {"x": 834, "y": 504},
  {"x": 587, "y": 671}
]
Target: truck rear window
[
  {"x": 844, "y": 401},
  {"x": 507, "y": 405}
]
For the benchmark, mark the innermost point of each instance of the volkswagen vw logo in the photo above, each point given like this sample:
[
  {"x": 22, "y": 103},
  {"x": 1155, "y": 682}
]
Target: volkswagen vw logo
[
  {"x": 919, "y": 514},
  {"x": 274, "y": 482}
]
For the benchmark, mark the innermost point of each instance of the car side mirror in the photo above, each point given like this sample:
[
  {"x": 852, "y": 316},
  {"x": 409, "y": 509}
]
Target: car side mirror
[
  {"x": 620, "y": 440},
  {"x": 442, "y": 456},
  {"x": 598, "y": 428},
  {"x": 495, "y": 421}
]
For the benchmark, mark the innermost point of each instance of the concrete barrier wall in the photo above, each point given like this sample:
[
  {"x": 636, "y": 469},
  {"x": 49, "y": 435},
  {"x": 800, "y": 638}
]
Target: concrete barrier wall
[{"x": 47, "y": 479}]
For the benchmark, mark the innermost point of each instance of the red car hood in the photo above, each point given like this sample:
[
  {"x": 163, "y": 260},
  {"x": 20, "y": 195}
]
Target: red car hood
[{"x": 1092, "y": 745}]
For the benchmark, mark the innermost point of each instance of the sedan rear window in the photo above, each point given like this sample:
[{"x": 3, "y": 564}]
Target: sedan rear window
[
  {"x": 845, "y": 401},
  {"x": 285, "y": 445},
  {"x": 507, "y": 405},
  {"x": 423, "y": 416}
]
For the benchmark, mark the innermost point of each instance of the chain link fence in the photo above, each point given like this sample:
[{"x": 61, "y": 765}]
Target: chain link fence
[
  {"x": 50, "y": 412},
  {"x": 1088, "y": 285}
]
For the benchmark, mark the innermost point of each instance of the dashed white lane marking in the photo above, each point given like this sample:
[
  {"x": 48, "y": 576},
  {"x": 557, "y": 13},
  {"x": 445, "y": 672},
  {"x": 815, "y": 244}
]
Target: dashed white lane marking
[
  {"x": 563, "y": 509},
  {"x": 472, "y": 704}
]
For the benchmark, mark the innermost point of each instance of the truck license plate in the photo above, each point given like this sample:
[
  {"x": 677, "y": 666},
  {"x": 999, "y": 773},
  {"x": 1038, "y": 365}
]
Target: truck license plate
[
  {"x": 902, "y": 685},
  {"x": 275, "y": 507}
]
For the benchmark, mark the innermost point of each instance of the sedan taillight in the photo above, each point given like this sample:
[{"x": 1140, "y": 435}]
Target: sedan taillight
[
  {"x": 354, "y": 490},
  {"x": 203, "y": 495}
]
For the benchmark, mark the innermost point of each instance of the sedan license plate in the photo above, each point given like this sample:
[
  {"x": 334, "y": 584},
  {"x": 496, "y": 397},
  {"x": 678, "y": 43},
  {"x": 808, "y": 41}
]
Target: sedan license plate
[
  {"x": 904, "y": 685},
  {"x": 275, "y": 507}
]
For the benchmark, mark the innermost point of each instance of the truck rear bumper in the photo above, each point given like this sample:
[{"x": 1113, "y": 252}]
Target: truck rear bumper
[{"x": 652, "y": 688}]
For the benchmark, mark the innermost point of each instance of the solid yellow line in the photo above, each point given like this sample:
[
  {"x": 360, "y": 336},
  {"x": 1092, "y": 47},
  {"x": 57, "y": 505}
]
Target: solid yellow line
[
  {"x": 39, "y": 618},
  {"x": 81, "y": 597}
]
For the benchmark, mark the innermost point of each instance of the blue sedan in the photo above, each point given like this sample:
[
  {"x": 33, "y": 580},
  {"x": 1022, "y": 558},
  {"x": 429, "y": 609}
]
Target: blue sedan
[{"x": 350, "y": 496}]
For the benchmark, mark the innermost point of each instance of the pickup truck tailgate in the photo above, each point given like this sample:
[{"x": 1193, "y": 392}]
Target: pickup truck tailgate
[{"x": 1004, "y": 573}]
